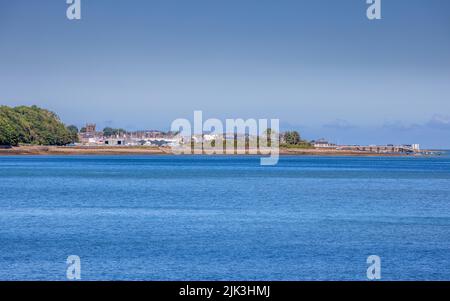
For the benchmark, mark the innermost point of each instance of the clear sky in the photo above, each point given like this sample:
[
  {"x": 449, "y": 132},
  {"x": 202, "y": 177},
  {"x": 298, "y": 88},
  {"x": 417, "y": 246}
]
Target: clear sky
[{"x": 319, "y": 65}]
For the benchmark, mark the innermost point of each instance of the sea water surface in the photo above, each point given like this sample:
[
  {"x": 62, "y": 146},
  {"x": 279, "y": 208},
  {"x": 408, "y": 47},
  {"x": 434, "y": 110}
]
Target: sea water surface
[{"x": 224, "y": 218}]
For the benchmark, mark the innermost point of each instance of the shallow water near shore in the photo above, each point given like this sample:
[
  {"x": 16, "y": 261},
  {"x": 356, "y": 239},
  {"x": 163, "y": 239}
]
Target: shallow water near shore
[{"x": 224, "y": 218}]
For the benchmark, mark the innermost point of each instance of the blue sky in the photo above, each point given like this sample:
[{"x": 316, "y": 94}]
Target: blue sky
[{"x": 320, "y": 66}]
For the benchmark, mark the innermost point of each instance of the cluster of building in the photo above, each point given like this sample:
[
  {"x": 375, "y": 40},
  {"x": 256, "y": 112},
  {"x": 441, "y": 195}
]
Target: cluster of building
[
  {"x": 90, "y": 136},
  {"x": 389, "y": 148}
]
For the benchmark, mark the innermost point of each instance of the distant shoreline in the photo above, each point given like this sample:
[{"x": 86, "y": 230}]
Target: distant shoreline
[{"x": 150, "y": 150}]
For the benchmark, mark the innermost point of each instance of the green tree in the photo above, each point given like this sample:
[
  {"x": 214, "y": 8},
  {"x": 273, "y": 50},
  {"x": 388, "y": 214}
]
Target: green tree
[
  {"x": 109, "y": 132},
  {"x": 292, "y": 138},
  {"x": 31, "y": 125},
  {"x": 7, "y": 133},
  {"x": 73, "y": 130}
]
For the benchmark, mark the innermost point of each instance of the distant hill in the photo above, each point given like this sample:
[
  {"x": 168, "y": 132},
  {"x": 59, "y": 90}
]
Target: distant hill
[{"x": 32, "y": 125}]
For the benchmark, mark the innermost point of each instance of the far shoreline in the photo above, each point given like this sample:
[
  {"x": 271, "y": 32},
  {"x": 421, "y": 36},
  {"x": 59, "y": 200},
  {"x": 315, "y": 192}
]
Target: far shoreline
[{"x": 151, "y": 150}]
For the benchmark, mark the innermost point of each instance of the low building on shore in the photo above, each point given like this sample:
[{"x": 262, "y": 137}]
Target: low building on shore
[
  {"x": 114, "y": 141},
  {"x": 322, "y": 143}
]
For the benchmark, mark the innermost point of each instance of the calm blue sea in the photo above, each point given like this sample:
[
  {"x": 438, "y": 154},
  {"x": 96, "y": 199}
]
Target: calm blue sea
[{"x": 224, "y": 218}]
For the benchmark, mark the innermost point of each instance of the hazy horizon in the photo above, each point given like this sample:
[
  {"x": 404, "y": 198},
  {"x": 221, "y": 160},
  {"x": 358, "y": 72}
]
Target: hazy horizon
[{"x": 321, "y": 67}]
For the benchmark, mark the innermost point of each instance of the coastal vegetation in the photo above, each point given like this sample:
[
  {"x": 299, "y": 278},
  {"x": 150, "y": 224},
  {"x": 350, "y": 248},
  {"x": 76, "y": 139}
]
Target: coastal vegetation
[
  {"x": 110, "y": 132},
  {"x": 33, "y": 125},
  {"x": 292, "y": 139},
  {"x": 288, "y": 140}
]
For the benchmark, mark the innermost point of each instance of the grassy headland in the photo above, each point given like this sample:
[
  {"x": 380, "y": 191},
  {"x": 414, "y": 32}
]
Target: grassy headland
[{"x": 33, "y": 125}]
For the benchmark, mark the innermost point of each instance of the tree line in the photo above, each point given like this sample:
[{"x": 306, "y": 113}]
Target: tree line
[
  {"x": 33, "y": 125},
  {"x": 294, "y": 140}
]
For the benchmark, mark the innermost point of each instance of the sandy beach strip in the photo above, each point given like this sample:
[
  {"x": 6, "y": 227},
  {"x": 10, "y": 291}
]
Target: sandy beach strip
[{"x": 146, "y": 150}]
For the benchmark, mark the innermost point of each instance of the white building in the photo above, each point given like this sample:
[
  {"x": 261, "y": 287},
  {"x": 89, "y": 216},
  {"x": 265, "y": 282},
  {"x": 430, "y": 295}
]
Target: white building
[
  {"x": 321, "y": 143},
  {"x": 114, "y": 141}
]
